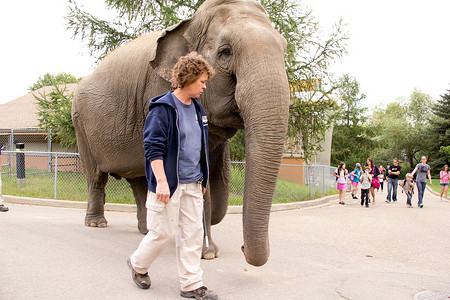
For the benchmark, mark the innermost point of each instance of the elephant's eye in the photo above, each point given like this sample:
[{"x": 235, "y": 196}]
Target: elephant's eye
[
  {"x": 224, "y": 57},
  {"x": 226, "y": 51}
]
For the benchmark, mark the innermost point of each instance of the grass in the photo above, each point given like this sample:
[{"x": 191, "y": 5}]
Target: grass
[
  {"x": 436, "y": 186},
  {"x": 73, "y": 186}
]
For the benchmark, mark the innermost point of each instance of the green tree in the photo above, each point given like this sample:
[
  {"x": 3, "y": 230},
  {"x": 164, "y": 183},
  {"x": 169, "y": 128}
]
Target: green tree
[
  {"x": 50, "y": 80},
  {"x": 237, "y": 146},
  {"x": 350, "y": 98},
  {"x": 54, "y": 111},
  {"x": 310, "y": 118},
  {"x": 351, "y": 134},
  {"x": 403, "y": 127},
  {"x": 439, "y": 132}
]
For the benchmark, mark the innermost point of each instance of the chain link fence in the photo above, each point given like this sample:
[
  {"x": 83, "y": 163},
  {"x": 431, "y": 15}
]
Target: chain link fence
[{"x": 59, "y": 175}]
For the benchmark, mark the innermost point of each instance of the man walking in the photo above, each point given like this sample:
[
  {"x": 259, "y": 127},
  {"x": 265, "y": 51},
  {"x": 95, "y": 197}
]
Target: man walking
[{"x": 393, "y": 171}]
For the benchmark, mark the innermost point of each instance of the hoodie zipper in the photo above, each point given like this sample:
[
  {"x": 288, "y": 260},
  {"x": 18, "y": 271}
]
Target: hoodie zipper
[{"x": 178, "y": 148}]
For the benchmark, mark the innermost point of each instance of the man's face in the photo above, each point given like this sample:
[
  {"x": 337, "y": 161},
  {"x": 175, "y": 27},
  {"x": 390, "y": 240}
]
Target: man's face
[{"x": 395, "y": 162}]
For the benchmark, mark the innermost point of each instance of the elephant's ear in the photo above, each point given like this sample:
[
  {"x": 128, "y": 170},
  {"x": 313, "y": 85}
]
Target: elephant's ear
[{"x": 170, "y": 46}]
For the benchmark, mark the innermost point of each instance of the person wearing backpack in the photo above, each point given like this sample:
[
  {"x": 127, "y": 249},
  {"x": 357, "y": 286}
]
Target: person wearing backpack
[
  {"x": 354, "y": 177},
  {"x": 375, "y": 172},
  {"x": 366, "y": 182},
  {"x": 408, "y": 187}
]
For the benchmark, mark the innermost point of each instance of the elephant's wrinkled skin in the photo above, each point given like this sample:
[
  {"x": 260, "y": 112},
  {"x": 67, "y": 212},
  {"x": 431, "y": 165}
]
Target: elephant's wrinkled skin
[{"x": 249, "y": 90}]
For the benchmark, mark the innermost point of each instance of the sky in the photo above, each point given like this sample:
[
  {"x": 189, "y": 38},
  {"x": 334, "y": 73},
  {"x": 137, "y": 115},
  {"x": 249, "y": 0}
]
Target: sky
[{"x": 395, "y": 46}]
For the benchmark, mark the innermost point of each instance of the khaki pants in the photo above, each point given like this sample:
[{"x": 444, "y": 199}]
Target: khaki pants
[{"x": 182, "y": 218}]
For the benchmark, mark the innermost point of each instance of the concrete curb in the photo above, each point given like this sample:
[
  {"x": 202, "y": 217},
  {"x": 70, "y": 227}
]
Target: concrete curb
[
  {"x": 433, "y": 192},
  {"x": 132, "y": 207}
]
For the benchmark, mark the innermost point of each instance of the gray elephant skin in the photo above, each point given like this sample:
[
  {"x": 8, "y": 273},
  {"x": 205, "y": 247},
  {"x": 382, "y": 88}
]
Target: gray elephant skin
[{"x": 249, "y": 90}]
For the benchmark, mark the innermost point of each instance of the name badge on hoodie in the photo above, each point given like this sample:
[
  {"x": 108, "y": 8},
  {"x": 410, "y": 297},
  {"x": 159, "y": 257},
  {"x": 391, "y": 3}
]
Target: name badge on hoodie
[{"x": 205, "y": 120}]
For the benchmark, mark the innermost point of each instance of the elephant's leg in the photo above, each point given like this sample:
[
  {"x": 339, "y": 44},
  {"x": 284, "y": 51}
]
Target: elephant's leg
[
  {"x": 96, "y": 179},
  {"x": 140, "y": 187},
  {"x": 95, "y": 214},
  {"x": 219, "y": 181},
  {"x": 216, "y": 199}
]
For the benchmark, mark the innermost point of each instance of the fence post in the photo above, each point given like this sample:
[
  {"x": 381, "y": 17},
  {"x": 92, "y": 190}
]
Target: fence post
[
  {"x": 56, "y": 176},
  {"x": 49, "y": 150},
  {"x": 309, "y": 181},
  {"x": 323, "y": 180},
  {"x": 20, "y": 163},
  {"x": 10, "y": 156}
]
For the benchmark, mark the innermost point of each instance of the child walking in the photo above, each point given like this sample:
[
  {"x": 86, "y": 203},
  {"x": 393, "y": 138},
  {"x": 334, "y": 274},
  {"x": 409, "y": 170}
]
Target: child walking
[
  {"x": 366, "y": 181},
  {"x": 408, "y": 188},
  {"x": 341, "y": 174},
  {"x": 355, "y": 176}
]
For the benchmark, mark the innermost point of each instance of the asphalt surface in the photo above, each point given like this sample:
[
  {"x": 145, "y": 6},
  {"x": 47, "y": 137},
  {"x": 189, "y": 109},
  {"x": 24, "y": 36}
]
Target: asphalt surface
[{"x": 387, "y": 251}]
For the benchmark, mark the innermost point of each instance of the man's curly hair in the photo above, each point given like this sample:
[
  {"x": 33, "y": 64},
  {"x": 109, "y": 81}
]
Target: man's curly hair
[{"x": 188, "y": 69}]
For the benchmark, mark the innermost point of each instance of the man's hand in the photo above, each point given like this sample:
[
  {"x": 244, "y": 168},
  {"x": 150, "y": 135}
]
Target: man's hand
[
  {"x": 162, "y": 187},
  {"x": 163, "y": 191}
]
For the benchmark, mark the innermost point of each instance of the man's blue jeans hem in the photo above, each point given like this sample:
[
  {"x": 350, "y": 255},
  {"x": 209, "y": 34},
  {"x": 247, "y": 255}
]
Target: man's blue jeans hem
[{"x": 392, "y": 187}]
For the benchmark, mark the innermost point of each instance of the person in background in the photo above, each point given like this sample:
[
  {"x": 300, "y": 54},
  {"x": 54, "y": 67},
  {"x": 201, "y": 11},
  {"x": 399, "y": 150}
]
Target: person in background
[
  {"x": 177, "y": 170},
  {"x": 375, "y": 182},
  {"x": 381, "y": 177},
  {"x": 393, "y": 171},
  {"x": 422, "y": 170},
  {"x": 444, "y": 176},
  {"x": 366, "y": 182},
  {"x": 355, "y": 176},
  {"x": 3, "y": 208},
  {"x": 408, "y": 188},
  {"x": 341, "y": 174}
]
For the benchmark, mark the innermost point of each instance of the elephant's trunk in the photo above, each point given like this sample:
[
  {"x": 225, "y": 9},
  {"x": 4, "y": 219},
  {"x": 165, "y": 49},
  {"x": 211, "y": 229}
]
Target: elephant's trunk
[{"x": 265, "y": 113}]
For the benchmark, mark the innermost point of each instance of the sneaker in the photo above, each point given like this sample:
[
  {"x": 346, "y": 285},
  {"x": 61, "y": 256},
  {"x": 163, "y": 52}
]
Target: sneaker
[
  {"x": 3, "y": 208},
  {"x": 421, "y": 205},
  {"x": 142, "y": 280},
  {"x": 200, "y": 293}
]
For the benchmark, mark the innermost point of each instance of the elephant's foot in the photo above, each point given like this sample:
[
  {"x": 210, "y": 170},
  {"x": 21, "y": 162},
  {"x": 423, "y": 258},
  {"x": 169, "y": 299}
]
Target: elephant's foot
[
  {"x": 92, "y": 221},
  {"x": 210, "y": 252},
  {"x": 142, "y": 226}
]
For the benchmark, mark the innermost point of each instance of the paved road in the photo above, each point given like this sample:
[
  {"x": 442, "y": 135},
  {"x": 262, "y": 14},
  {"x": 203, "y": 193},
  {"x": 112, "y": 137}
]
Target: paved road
[{"x": 387, "y": 251}]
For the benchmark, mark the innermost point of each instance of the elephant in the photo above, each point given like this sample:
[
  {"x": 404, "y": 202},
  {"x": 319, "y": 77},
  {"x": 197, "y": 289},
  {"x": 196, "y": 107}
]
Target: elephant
[{"x": 249, "y": 91}]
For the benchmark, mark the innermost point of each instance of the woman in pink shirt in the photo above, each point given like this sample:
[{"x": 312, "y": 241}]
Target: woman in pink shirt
[{"x": 445, "y": 176}]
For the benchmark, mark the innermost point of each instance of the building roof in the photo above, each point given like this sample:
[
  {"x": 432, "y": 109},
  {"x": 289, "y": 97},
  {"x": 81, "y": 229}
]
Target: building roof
[{"x": 22, "y": 112}]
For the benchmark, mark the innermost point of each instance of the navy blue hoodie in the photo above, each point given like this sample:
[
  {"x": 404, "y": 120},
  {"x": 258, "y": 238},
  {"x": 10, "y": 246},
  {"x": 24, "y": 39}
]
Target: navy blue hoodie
[{"x": 162, "y": 138}]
